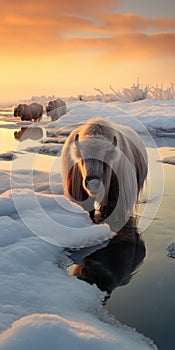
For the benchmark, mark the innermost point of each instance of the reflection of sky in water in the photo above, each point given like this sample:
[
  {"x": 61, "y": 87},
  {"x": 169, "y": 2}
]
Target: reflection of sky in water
[
  {"x": 7, "y": 139},
  {"x": 25, "y": 160}
]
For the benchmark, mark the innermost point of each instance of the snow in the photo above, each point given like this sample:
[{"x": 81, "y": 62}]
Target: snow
[
  {"x": 52, "y": 148},
  {"x": 53, "y": 218},
  {"x": 143, "y": 116},
  {"x": 41, "y": 306},
  {"x": 40, "y": 181},
  {"x": 40, "y": 331}
]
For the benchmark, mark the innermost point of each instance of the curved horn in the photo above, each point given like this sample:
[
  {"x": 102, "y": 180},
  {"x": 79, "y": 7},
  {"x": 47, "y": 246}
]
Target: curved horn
[{"x": 114, "y": 141}]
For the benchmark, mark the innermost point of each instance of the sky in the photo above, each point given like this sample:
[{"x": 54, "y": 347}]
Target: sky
[{"x": 71, "y": 47}]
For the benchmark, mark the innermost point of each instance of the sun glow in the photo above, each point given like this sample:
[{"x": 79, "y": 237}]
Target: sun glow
[{"x": 66, "y": 49}]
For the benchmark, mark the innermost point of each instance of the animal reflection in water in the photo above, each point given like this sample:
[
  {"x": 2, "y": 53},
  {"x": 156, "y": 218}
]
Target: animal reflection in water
[
  {"x": 104, "y": 167},
  {"x": 114, "y": 265},
  {"x": 28, "y": 133}
]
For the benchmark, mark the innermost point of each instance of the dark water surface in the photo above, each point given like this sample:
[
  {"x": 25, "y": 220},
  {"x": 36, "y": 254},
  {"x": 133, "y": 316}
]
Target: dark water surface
[{"x": 147, "y": 303}]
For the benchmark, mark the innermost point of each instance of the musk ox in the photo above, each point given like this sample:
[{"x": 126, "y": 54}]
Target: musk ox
[
  {"x": 55, "y": 109},
  {"x": 33, "y": 111},
  {"x": 104, "y": 166}
]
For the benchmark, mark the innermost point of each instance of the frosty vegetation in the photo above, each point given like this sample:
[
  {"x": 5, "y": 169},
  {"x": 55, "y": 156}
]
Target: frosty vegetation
[{"x": 134, "y": 93}]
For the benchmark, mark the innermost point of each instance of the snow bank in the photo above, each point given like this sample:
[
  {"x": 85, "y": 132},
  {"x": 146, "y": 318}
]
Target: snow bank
[
  {"x": 41, "y": 306},
  {"x": 143, "y": 116},
  {"x": 52, "y": 149},
  {"x": 56, "y": 332},
  {"x": 54, "y": 218},
  {"x": 39, "y": 181},
  {"x": 81, "y": 112}
]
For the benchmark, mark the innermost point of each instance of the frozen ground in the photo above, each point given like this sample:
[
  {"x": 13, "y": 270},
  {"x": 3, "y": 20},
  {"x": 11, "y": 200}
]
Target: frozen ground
[{"x": 41, "y": 306}]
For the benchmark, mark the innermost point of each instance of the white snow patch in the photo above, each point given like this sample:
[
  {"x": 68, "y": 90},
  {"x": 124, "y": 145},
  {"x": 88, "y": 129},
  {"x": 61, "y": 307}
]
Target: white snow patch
[
  {"x": 54, "y": 218},
  {"x": 52, "y": 149},
  {"x": 39, "y": 181},
  {"x": 45, "y": 331}
]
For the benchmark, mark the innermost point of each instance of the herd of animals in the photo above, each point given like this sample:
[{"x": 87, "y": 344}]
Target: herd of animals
[
  {"x": 34, "y": 111},
  {"x": 104, "y": 164},
  {"x": 104, "y": 168}
]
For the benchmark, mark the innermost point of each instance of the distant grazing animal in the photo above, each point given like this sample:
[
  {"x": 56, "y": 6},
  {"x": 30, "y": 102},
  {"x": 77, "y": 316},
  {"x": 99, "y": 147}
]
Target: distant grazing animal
[
  {"x": 33, "y": 111},
  {"x": 55, "y": 109},
  {"x": 104, "y": 166}
]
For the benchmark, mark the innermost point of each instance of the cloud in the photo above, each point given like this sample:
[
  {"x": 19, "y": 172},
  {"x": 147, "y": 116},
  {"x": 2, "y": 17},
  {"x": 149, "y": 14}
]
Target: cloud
[
  {"x": 142, "y": 46},
  {"x": 127, "y": 22},
  {"x": 54, "y": 7},
  {"x": 56, "y": 27},
  {"x": 124, "y": 47},
  {"x": 39, "y": 24}
]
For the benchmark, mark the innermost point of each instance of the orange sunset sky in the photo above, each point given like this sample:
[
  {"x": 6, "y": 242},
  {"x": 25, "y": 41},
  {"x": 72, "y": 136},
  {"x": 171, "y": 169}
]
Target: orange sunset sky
[{"x": 70, "y": 47}]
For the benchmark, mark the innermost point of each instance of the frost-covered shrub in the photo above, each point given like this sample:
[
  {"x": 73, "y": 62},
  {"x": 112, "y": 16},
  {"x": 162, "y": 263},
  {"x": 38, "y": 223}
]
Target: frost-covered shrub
[
  {"x": 135, "y": 93},
  {"x": 158, "y": 93}
]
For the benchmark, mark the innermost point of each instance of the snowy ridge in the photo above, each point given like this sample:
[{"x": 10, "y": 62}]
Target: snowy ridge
[{"x": 142, "y": 115}]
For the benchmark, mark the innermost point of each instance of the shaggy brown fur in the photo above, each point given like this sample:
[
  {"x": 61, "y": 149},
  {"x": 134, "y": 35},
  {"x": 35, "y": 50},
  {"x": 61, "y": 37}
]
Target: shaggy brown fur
[
  {"x": 104, "y": 167},
  {"x": 33, "y": 111},
  {"x": 55, "y": 109}
]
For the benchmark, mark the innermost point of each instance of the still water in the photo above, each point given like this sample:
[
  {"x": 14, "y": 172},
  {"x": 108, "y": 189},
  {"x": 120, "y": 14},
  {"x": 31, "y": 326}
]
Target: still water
[
  {"x": 134, "y": 270},
  {"x": 30, "y": 138},
  {"x": 147, "y": 303}
]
